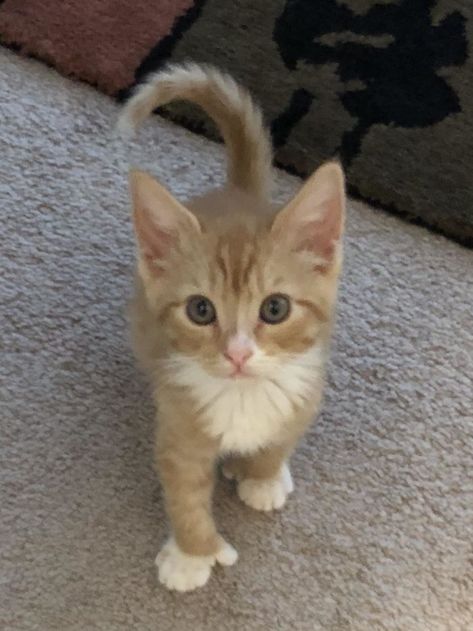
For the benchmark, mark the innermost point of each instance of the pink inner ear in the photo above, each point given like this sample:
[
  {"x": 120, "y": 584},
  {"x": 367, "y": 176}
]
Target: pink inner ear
[
  {"x": 154, "y": 241},
  {"x": 313, "y": 220},
  {"x": 321, "y": 235}
]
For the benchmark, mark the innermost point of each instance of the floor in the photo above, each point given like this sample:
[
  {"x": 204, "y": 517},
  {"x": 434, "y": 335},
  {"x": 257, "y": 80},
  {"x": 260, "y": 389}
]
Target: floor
[{"x": 378, "y": 534}]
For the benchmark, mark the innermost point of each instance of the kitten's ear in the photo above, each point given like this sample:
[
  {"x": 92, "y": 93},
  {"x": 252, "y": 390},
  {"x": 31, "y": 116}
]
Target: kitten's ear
[
  {"x": 314, "y": 219},
  {"x": 161, "y": 222}
]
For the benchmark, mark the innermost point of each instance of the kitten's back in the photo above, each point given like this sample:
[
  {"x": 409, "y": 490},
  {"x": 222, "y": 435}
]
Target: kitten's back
[{"x": 231, "y": 206}]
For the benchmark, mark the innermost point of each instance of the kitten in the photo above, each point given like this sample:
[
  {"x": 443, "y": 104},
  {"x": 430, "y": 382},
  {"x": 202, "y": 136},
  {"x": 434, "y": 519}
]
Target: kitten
[{"x": 232, "y": 318}]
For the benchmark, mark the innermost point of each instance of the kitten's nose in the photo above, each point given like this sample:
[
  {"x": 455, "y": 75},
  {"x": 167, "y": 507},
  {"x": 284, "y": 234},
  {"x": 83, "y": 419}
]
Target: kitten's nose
[{"x": 239, "y": 350}]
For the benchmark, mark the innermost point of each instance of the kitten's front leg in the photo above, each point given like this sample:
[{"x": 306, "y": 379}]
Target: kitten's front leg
[
  {"x": 186, "y": 469},
  {"x": 264, "y": 479}
]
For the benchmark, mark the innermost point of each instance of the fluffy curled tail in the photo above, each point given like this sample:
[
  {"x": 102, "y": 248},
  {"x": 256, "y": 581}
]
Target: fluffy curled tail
[{"x": 230, "y": 106}]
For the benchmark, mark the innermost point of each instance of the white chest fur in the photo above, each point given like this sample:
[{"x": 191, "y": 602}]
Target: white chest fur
[{"x": 250, "y": 413}]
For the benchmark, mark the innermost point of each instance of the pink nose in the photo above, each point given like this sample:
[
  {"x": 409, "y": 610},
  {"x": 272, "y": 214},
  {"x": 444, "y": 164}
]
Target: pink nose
[{"x": 238, "y": 350}]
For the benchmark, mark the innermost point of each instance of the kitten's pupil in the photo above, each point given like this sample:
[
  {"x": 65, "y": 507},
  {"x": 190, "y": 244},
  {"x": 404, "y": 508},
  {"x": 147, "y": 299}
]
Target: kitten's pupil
[
  {"x": 202, "y": 308},
  {"x": 274, "y": 307}
]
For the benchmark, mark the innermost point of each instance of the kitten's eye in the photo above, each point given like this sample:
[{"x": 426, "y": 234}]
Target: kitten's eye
[
  {"x": 200, "y": 310},
  {"x": 275, "y": 309}
]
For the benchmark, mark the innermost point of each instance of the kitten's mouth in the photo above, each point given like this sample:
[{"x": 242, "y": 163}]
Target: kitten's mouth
[{"x": 239, "y": 373}]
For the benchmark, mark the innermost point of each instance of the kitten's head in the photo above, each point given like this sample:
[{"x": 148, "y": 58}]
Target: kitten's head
[{"x": 242, "y": 296}]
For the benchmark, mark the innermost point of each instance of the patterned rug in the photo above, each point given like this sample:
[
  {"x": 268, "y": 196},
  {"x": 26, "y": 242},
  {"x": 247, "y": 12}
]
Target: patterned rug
[{"x": 385, "y": 85}]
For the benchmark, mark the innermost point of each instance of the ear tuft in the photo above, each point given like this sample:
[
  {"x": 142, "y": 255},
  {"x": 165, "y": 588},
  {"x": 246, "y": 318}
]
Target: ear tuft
[{"x": 314, "y": 219}]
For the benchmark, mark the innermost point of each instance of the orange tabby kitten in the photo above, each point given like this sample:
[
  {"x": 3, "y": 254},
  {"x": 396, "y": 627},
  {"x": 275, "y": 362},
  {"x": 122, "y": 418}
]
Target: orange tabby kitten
[{"x": 232, "y": 318}]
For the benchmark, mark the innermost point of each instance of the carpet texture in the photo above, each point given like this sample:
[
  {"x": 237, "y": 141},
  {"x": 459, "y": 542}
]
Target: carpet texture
[
  {"x": 378, "y": 534},
  {"x": 383, "y": 85},
  {"x": 99, "y": 41}
]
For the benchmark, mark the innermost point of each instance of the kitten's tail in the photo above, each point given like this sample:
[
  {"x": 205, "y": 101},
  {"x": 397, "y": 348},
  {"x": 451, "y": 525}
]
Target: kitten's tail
[{"x": 231, "y": 107}]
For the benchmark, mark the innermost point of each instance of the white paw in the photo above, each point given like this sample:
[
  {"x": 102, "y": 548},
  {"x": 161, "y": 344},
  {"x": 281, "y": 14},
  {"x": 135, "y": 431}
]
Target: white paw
[
  {"x": 185, "y": 572},
  {"x": 267, "y": 494}
]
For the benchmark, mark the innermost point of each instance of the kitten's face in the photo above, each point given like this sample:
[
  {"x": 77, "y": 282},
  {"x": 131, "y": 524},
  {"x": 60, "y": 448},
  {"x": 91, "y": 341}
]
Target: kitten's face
[
  {"x": 241, "y": 306},
  {"x": 243, "y": 301}
]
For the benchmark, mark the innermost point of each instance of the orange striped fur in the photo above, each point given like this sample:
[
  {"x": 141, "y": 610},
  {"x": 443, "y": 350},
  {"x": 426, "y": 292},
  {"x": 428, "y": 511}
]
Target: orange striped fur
[{"x": 236, "y": 248}]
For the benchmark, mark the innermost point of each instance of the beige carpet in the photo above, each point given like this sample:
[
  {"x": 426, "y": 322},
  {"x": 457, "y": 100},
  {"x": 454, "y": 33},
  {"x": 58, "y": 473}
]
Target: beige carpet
[{"x": 377, "y": 536}]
